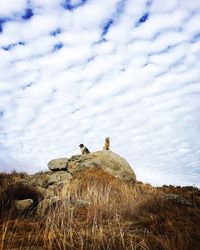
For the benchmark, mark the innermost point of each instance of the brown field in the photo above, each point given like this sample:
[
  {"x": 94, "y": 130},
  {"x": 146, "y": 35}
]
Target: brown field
[{"x": 117, "y": 216}]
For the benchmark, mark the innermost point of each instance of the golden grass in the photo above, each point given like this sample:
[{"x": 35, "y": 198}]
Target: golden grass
[{"x": 117, "y": 216}]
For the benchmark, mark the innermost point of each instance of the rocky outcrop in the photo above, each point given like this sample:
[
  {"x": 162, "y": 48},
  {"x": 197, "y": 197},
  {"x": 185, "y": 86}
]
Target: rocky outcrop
[
  {"x": 105, "y": 160},
  {"x": 47, "y": 189},
  {"x": 43, "y": 189}
]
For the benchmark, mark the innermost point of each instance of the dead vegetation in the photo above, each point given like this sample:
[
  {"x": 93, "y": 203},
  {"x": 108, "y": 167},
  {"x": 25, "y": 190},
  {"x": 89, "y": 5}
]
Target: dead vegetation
[{"x": 110, "y": 215}]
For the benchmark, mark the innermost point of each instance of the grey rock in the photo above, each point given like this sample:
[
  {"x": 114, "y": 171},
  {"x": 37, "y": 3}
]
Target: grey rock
[
  {"x": 23, "y": 204},
  {"x": 51, "y": 185},
  {"x": 105, "y": 160},
  {"x": 47, "y": 179},
  {"x": 177, "y": 198},
  {"x": 45, "y": 204},
  {"x": 58, "y": 164},
  {"x": 80, "y": 203}
]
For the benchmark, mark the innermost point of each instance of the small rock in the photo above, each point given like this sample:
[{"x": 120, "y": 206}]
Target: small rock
[
  {"x": 44, "y": 204},
  {"x": 58, "y": 164},
  {"x": 23, "y": 204},
  {"x": 52, "y": 180},
  {"x": 81, "y": 203}
]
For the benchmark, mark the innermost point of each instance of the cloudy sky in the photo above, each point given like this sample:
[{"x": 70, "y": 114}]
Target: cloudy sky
[{"x": 77, "y": 71}]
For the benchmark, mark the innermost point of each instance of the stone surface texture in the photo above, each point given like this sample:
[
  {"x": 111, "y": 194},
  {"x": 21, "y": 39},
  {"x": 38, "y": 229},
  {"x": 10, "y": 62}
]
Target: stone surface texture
[{"x": 106, "y": 160}]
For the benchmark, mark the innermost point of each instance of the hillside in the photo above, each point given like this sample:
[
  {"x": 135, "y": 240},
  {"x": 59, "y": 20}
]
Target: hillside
[{"x": 97, "y": 210}]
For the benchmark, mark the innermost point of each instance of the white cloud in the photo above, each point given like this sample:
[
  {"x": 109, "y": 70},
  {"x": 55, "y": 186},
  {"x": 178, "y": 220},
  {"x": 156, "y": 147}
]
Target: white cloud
[
  {"x": 62, "y": 83},
  {"x": 11, "y": 8}
]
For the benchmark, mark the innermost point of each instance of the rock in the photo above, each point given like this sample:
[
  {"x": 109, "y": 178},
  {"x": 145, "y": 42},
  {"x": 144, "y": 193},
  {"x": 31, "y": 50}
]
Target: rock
[
  {"x": 58, "y": 164},
  {"x": 23, "y": 204},
  {"x": 190, "y": 188},
  {"x": 106, "y": 160},
  {"x": 49, "y": 187},
  {"x": 45, "y": 204},
  {"x": 80, "y": 203},
  {"x": 45, "y": 180},
  {"x": 177, "y": 198}
]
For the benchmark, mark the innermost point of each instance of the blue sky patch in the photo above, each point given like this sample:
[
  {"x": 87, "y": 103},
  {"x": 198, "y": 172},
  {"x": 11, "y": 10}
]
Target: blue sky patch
[
  {"x": 55, "y": 32},
  {"x": 117, "y": 13},
  {"x": 8, "y": 47},
  {"x": 68, "y": 5},
  {"x": 149, "y": 3},
  {"x": 21, "y": 43},
  {"x": 120, "y": 6},
  {"x": 2, "y": 21},
  {"x": 57, "y": 47},
  {"x": 11, "y": 46},
  {"x": 27, "y": 86},
  {"x": 28, "y": 14},
  {"x": 142, "y": 19},
  {"x": 196, "y": 38},
  {"x": 107, "y": 26}
]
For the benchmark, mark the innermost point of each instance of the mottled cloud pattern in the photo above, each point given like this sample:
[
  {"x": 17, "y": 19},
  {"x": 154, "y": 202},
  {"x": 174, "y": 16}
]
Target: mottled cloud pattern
[{"x": 77, "y": 71}]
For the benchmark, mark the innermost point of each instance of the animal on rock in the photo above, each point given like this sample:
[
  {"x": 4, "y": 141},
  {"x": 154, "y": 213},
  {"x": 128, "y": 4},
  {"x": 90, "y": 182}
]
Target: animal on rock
[
  {"x": 84, "y": 150},
  {"x": 106, "y": 144}
]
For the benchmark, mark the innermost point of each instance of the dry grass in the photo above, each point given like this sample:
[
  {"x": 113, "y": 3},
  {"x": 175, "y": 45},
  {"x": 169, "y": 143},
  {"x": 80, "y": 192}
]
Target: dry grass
[
  {"x": 7, "y": 179},
  {"x": 117, "y": 216}
]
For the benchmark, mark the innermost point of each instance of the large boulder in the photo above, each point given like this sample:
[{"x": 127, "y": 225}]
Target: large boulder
[
  {"x": 58, "y": 164},
  {"x": 105, "y": 160}
]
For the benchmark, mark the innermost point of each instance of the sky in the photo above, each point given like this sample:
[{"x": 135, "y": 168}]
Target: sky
[{"x": 78, "y": 71}]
